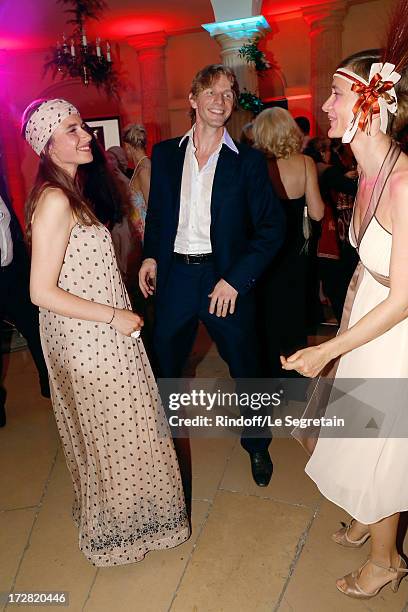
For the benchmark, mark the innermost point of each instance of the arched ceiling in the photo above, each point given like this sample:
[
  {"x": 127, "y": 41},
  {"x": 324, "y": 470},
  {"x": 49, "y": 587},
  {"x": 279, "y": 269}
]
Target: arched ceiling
[
  {"x": 26, "y": 24},
  {"x": 277, "y": 7},
  {"x": 29, "y": 24}
]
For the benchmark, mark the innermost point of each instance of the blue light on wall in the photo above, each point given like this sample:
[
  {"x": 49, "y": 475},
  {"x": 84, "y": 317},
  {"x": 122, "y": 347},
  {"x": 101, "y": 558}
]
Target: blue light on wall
[{"x": 238, "y": 28}]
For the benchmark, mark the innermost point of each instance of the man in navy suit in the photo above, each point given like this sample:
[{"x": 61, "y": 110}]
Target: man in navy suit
[
  {"x": 213, "y": 225},
  {"x": 15, "y": 303}
]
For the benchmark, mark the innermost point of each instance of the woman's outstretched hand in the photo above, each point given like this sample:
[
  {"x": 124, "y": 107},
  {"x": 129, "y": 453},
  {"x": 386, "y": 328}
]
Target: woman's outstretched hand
[{"x": 308, "y": 361}]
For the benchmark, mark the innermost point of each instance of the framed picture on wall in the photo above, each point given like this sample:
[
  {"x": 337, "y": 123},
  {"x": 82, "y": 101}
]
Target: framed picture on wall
[{"x": 106, "y": 131}]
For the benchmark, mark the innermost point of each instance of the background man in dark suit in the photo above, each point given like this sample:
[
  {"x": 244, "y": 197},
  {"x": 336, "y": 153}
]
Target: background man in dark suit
[
  {"x": 213, "y": 224},
  {"x": 15, "y": 304}
]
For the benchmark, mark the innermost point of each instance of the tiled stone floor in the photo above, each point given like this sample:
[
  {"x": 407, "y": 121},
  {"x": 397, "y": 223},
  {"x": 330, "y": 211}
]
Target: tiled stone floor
[{"x": 252, "y": 549}]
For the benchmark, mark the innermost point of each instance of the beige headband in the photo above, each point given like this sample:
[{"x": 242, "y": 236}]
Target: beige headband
[
  {"x": 45, "y": 120},
  {"x": 377, "y": 97}
]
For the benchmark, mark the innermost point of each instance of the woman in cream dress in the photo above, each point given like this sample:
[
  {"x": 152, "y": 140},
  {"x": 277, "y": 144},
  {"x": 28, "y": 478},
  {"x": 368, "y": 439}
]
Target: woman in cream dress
[
  {"x": 128, "y": 497},
  {"x": 367, "y": 475}
]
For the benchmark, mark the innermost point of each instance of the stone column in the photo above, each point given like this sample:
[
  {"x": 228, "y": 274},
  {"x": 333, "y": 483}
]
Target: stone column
[
  {"x": 231, "y": 36},
  {"x": 326, "y": 27},
  {"x": 155, "y": 111},
  {"x": 10, "y": 143}
]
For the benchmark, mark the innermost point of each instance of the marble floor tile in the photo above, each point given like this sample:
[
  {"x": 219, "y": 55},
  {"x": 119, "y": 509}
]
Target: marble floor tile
[
  {"x": 53, "y": 561},
  {"x": 243, "y": 556},
  {"x": 312, "y": 586},
  {"x": 15, "y": 527},
  {"x": 30, "y": 432},
  {"x": 209, "y": 458}
]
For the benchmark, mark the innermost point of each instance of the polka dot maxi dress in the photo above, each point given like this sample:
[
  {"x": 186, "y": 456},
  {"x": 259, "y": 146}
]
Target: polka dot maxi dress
[{"x": 128, "y": 496}]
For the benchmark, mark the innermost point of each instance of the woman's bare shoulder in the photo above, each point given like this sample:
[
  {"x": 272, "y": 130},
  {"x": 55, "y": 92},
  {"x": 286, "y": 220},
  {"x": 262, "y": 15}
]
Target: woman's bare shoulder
[
  {"x": 53, "y": 195},
  {"x": 54, "y": 203},
  {"x": 398, "y": 188},
  {"x": 309, "y": 161},
  {"x": 294, "y": 160},
  {"x": 145, "y": 164}
]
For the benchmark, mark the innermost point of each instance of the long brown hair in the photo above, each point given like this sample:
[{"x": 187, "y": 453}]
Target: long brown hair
[{"x": 50, "y": 175}]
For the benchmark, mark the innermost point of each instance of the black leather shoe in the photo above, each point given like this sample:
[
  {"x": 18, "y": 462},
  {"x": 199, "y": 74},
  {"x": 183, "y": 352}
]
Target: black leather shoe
[
  {"x": 262, "y": 467},
  {"x": 2, "y": 407},
  {"x": 45, "y": 387}
]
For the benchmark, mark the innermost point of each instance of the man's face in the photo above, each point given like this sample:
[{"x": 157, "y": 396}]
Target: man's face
[{"x": 214, "y": 105}]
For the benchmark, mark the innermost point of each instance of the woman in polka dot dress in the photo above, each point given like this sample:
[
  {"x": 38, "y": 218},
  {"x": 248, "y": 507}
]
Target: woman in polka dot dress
[{"x": 128, "y": 497}]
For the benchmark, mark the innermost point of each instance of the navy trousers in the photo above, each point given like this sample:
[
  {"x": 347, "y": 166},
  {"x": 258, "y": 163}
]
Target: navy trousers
[
  {"x": 180, "y": 306},
  {"x": 16, "y": 307}
]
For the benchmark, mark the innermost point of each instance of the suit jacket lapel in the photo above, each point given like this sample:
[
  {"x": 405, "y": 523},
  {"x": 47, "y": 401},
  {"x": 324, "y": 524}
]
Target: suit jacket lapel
[
  {"x": 225, "y": 173},
  {"x": 176, "y": 166}
]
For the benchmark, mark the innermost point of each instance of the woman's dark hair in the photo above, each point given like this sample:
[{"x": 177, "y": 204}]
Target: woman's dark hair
[
  {"x": 395, "y": 51},
  {"x": 247, "y": 136},
  {"x": 49, "y": 175},
  {"x": 106, "y": 196},
  {"x": 402, "y": 138},
  {"x": 304, "y": 124},
  {"x": 342, "y": 155},
  {"x": 314, "y": 149}
]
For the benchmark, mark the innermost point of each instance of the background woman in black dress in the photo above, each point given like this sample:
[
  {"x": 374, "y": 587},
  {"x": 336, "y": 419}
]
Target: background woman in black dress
[{"x": 282, "y": 290}]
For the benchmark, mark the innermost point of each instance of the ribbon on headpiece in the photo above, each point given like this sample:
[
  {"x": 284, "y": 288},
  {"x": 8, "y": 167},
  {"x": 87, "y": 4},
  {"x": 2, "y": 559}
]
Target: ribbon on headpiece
[
  {"x": 45, "y": 120},
  {"x": 377, "y": 97}
]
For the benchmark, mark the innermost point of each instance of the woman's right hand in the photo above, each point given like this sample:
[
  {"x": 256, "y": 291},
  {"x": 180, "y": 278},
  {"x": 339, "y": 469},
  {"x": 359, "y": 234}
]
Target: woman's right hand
[{"x": 126, "y": 321}]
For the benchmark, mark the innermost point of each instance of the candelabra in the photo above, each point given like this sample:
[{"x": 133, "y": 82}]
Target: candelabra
[{"x": 76, "y": 56}]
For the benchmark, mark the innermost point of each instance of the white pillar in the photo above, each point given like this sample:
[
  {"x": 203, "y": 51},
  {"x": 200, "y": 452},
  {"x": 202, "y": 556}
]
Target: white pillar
[
  {"x": 155, "y": 110},
  {"x": 10, "y": 142},
  {"x": 326, "y": 27},
  {"x": 231, "y": 36},
  {"x": 235, "y": 9}
]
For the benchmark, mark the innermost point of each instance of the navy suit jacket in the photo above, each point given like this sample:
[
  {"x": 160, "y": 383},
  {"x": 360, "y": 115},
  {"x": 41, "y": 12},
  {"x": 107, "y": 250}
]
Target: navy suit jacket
[
  {"x": 20, "y": 253},
  {"x": 247, "y": 221}
]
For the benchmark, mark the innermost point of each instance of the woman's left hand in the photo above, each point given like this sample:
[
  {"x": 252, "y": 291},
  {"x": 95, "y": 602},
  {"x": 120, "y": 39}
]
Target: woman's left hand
[{"x": 308, "y": 362}]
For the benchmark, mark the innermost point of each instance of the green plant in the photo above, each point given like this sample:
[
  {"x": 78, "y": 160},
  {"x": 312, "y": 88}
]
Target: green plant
[
  {"x": 84, "y": 9},
  {"x": 251, "y": 54},
  {"x": 250, "y": 102}
]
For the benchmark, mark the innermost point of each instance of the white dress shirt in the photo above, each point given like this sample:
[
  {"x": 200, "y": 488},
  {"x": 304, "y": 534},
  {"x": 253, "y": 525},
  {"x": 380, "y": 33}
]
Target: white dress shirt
[
  {"x": 6, "y": 242},
  {"x": 193, "y": 232}
]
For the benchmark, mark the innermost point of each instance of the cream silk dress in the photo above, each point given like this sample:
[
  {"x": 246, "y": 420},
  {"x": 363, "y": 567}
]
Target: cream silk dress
[{"x": 367, "y": 475}]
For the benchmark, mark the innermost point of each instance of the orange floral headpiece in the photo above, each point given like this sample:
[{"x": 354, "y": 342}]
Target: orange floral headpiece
[{"x": 377, "y": 97}]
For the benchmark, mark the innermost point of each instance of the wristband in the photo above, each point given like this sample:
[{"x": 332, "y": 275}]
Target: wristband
[{"x": 113, "y": 316}]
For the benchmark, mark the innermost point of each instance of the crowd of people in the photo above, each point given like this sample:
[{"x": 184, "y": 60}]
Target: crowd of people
[{"x": 235, "y": 235}]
